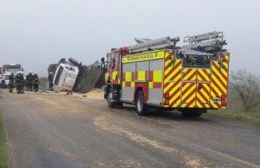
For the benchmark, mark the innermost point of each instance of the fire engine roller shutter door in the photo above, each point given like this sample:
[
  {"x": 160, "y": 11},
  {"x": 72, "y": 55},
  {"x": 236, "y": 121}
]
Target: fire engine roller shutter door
[
  {"x": 141, "y": 70},
  {"x": 128, "y": 71},
  {"x": 155, "y": 74}
]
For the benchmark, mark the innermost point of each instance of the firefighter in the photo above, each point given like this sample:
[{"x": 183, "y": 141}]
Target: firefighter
[
  {"x": 35, "y": 82},
  {"x": 29, "y": 81},
  {"x": 50, "y": 78},
  {"x": 19, "y": 82},
  {"x": 11, "y": 83}
]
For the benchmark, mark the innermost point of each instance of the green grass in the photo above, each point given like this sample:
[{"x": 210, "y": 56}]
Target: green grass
[
  {"x": 4, "y": 150},
  {"x": 251, "y": 118}
]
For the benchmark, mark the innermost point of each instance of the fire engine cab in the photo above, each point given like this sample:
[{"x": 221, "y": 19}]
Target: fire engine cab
[{"x": 157, "y": 73}]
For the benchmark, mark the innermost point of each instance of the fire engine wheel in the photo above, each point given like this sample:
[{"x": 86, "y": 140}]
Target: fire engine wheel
[{"x": 140, "y": 106}]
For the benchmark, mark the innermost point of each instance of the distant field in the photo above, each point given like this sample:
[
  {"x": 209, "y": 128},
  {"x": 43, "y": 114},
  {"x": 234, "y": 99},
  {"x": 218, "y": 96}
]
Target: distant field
[
  {"x": 236, "y": 112},
  {"x": 4, "y": 157}
]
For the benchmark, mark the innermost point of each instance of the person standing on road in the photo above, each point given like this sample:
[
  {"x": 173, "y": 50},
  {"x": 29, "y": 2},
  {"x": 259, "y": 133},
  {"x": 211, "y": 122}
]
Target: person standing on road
[
  {"x": 50, "y": 78},
  {"x": 11, "y": 83},
  {"x": 35, "y": 83},
  {"x": 19, "y": 82},
  {"x": 29, "y": 81}
]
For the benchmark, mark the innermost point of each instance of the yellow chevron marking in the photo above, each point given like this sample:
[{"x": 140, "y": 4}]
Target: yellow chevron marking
[
  {"x": 177, "y": 96},
  {"x": 193, "y": 104},
  {"x": 190, "y": 98},
  {"x": 218, "y": 83},
  {"x": 205, "y": 94},
  {"x": 189, "y": 75},
  {"x": 178, "y": 86},
  {"x": 185, "y": 70},
  {"x": 169, "y": 77},
  {"x": 199, "y": 78},
  {"x": 213, "y": 104},
  {"x": 198, "y": 104},
  {"x": 185, "y": 85},
  {"x": 213, "y": 95},
  {"x": 215, "y": 89},
  {"x": 168, "y": 87},
  {"x": 166, "y": 54},
  {"x": 219, "y": 75},
  {"x": 183, "y": 105},
  {"x": 225, "y": 71},
  {"x": 167, "y": 71},
  {"x": 177, "y": 77},
  {"x": 206, "y": 87},
  {"x": 167, "y": 63},
  {"x": 201, "y": 99},
  {"x": 173, "y": 73},
  {"x": 188, "y": 92},
  {"x": 225, "y": 66},
  {"x": 203, "y": 74}
]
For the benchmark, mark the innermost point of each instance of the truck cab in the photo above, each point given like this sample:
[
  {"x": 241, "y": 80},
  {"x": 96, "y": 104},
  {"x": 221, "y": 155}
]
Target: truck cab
[
  {"x": 5, "y": 79},
  {"x": 66, "y": 75}
]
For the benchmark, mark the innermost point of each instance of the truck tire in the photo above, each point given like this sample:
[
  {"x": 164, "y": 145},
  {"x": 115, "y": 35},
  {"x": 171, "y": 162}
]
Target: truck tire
[
  {"x": 74, "y": 62},
  {"x": 140, "y": 105},
  {"x": 110, "y": 102}
]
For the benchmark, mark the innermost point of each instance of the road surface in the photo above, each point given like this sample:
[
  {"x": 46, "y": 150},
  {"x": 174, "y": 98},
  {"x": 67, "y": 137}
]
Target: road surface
[{"x": 47, "y": 130}]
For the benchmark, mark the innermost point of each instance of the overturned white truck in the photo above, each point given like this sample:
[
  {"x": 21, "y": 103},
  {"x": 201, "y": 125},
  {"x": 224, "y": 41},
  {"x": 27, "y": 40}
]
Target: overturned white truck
[
  {"x": 66, "y": 75},
  {"x": 73, "y": 76}
]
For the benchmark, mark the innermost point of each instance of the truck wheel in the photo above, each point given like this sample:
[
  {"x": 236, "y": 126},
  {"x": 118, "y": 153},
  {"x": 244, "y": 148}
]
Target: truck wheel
[
  {"x": 110, "y": 102},
  {"x": 140, "y": 106}
]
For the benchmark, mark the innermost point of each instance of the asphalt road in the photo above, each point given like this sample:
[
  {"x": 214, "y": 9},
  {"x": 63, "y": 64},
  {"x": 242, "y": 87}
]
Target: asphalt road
[{"x": 55, "y": 131}]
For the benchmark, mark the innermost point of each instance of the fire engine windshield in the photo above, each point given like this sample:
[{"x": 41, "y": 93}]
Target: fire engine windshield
[{"x": 198, "y": 61}]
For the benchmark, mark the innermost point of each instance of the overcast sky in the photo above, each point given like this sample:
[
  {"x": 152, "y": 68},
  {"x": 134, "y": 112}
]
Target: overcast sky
[{"x": 36, "y": 33}]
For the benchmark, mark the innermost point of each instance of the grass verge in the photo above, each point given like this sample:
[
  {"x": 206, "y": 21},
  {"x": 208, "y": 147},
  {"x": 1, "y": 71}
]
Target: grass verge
[
  {"x": 251, "y": 118},
  {"x": 4, "y": 150}
]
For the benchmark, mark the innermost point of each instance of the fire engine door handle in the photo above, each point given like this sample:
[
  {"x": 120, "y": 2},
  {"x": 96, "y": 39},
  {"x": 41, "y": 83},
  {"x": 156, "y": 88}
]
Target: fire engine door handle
[{"x": 199, "y": 86}]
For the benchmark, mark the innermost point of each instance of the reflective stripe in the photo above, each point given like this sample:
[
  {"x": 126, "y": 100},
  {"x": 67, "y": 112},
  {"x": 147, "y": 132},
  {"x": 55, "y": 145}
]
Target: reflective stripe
[
  {"x": 128, "y": 76},
  {"x": 141, "y": 75},
  {"x": 157, "y": 76},
  {"x": 145, "y": 56}
]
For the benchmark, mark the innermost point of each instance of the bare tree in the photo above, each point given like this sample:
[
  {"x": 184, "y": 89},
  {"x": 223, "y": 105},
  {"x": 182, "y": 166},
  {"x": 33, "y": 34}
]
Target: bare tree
[{"x": 247, "y": 87}]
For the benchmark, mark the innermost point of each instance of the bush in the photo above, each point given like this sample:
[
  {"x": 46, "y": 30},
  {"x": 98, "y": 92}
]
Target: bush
[{"x": 246, "y": 85}]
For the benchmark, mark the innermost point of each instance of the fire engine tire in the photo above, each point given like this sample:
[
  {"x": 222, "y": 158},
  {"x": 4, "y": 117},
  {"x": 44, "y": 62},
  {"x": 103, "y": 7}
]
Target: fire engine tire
[
  {"x": 192, "y": 113},
  {"x": 140, "y": 106}
]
